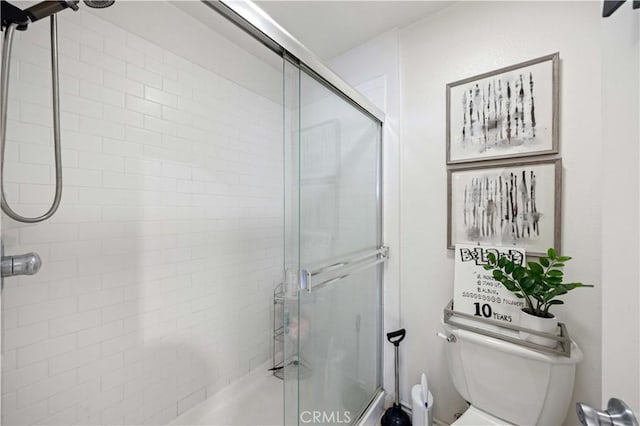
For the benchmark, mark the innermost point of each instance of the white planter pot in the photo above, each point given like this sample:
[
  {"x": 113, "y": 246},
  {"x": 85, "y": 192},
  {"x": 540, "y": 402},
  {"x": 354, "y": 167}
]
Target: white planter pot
[{"x": 546, "y": 325}]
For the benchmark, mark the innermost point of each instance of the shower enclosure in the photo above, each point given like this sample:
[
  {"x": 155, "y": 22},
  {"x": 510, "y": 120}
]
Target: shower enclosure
[
  {"x": 207, "y": 157},
  {"x": 333, "y": 327}
]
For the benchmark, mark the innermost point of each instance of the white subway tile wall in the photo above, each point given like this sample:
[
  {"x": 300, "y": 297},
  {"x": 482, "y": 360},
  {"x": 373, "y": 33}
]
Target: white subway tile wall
[{"x": 159, "y": 267}]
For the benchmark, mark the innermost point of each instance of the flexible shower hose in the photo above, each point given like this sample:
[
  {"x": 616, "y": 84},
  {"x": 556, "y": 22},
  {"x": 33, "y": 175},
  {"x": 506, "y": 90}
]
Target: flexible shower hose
[{"x": 4, "y": 93}]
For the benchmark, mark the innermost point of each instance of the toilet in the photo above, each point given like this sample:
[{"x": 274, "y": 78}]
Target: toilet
[{"x": 509, "y": 384}]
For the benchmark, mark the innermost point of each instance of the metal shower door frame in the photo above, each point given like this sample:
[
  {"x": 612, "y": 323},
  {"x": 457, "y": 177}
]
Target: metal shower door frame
[
  {"x": 254, "y": 21},
  {"x": 257, "y": 23}
]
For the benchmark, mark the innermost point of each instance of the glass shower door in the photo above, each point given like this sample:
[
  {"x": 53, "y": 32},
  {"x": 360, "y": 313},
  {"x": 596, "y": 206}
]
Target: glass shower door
[{"x": 334, "y": 320}]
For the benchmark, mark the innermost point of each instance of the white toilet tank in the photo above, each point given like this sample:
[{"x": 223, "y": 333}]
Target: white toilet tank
[{"x": 511, "y": 382}]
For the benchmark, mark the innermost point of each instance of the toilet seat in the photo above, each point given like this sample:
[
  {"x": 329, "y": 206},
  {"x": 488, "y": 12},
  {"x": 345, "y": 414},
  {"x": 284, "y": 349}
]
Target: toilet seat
[{"x": 476, "y": 417}]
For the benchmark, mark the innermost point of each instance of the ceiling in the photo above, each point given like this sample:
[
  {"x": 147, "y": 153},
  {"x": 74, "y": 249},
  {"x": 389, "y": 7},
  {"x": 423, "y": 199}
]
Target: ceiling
[{"x": 329, "y": 28}]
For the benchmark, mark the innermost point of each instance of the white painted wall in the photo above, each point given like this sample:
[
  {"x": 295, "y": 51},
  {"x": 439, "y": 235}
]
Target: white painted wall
[
  {"x": 466, "y": 39},
  {"x": 620, "y": 209},
  {"x": 159, "y": 267},
  {"x": 373, "y": 69}
]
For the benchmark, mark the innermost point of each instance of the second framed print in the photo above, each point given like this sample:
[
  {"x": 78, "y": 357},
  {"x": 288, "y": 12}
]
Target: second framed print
[
  {"x": 506, "y": 113},
  {"x": 515, "y": 204}
]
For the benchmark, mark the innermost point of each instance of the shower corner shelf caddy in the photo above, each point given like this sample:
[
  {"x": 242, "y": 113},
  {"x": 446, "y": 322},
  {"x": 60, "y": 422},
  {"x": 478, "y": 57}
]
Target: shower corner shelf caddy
[
  {"x": 312, "y": 280},
  {"x": 508, "y": 332},
  {"x": 278, "y": 331}
]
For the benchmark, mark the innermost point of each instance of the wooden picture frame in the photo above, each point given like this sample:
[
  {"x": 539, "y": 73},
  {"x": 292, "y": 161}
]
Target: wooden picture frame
[
  {"x": 506, "y": 113},
  {"x": 506, "y": 204}
]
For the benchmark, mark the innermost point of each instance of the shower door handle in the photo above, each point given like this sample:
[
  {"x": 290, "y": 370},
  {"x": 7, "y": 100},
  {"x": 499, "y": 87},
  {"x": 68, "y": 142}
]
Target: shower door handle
[
  {"x": 24, "y": 264},
  {"x": 315, "y": 279}
]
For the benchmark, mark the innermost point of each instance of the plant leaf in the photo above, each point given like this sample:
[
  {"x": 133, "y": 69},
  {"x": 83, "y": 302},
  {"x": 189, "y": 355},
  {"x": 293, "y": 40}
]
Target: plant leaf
[
  {"x": 527, "y": 284},
  {"x": 509, "y": 267},
  {"x": 564, "y": 258},
  {"x": 555, "y": 273},
  {"x": 571, "y": 286},
  {"x": 510, "y": 285},
  {"x": 551, "y": 253},
  {"x": 538, "y": 290},
  {"x": 554, "y": 293},
  {"x": 535, "y": 267},
  {"x": 519, "y": 272},
  {"x": 544, "y": 262}
]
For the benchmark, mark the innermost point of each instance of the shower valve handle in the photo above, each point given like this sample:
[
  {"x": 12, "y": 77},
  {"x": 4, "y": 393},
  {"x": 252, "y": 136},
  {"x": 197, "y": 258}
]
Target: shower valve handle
[{"x": 24, "y": 264}]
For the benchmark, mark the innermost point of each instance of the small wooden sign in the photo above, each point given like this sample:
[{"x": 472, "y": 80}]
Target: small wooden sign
[{"x": 475, "y": 290}]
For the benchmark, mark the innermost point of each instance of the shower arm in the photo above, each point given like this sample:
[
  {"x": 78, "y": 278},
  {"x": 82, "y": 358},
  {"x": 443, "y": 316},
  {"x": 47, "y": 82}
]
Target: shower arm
[{"x": 4, "y": 94}]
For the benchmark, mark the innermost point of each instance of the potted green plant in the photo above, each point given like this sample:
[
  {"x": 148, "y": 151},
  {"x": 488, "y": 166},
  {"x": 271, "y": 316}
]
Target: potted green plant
[{"x": 539, "y": 284}]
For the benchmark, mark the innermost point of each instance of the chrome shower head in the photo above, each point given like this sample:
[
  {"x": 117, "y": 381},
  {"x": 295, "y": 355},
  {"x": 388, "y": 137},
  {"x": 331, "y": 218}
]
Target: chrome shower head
[
  {"x": 45, "y": 9},
  {"x": 99, "y": 4}
]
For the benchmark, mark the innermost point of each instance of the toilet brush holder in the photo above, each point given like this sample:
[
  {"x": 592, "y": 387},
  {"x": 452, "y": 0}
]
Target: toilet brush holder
[{"x": 421, "y": 415}]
